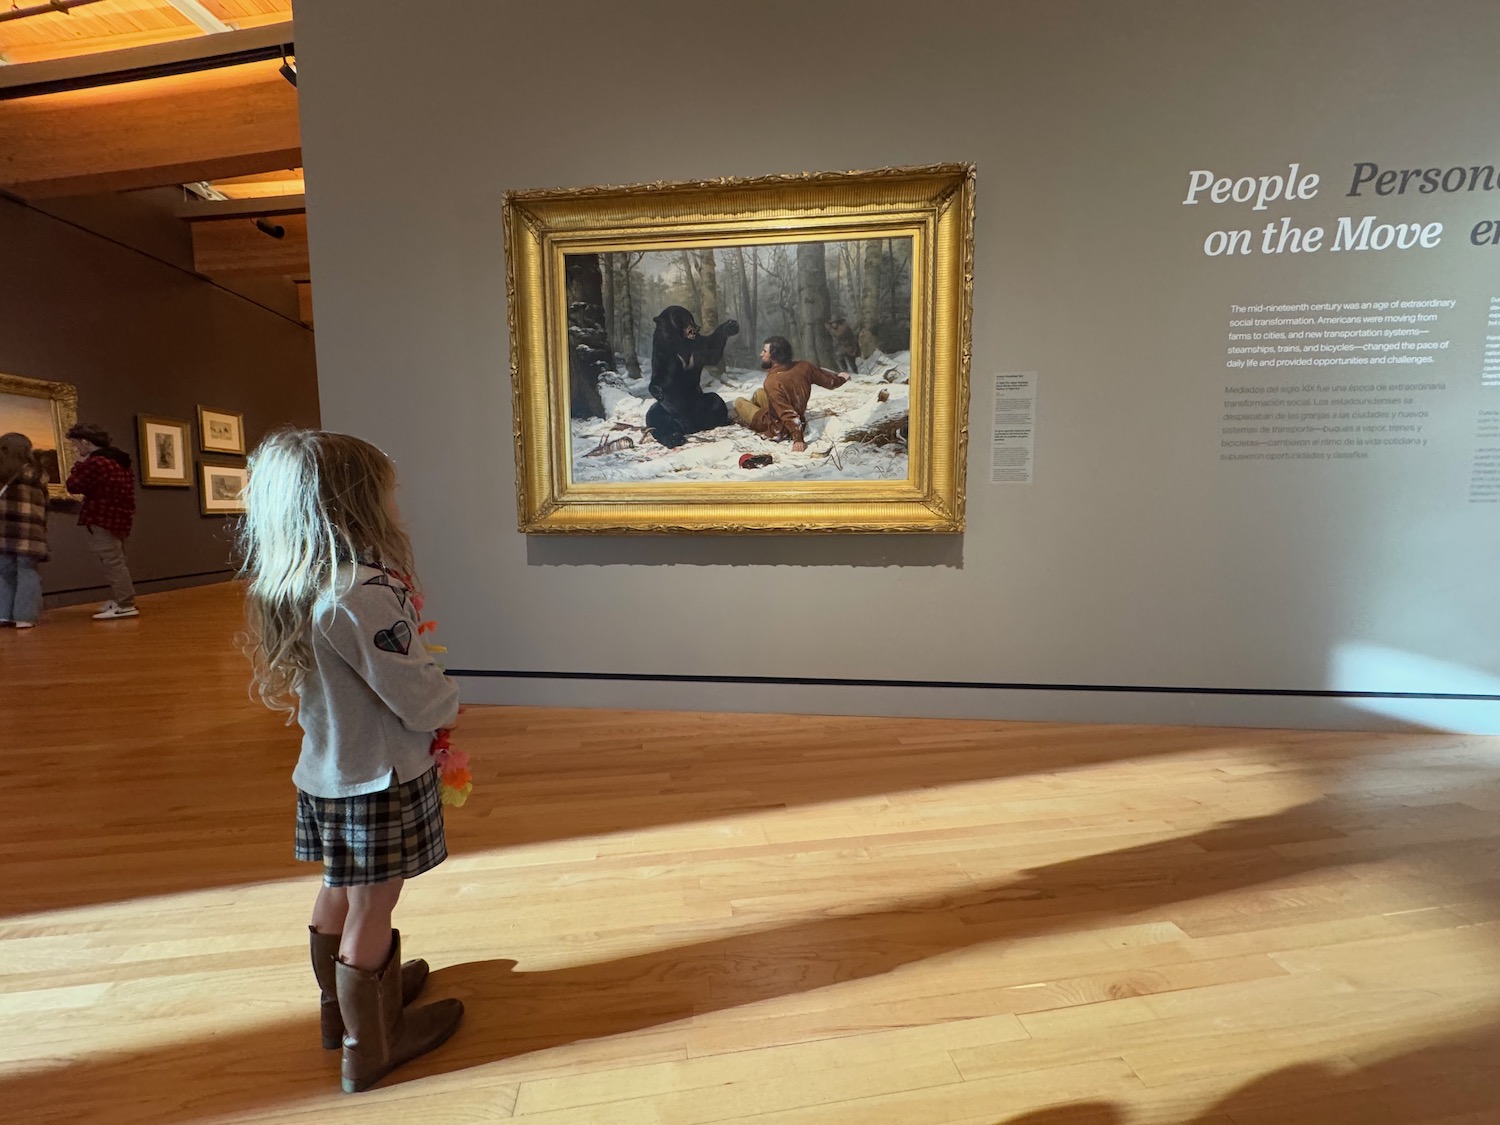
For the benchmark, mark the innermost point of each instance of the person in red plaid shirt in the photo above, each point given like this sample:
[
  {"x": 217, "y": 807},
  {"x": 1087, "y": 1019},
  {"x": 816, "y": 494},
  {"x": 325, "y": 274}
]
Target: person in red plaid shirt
[{"x": 102, "y": 476}]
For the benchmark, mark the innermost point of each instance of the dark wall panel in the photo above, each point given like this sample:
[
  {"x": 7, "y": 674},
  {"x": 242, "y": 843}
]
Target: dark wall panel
[{"x": 139, "y": 336}]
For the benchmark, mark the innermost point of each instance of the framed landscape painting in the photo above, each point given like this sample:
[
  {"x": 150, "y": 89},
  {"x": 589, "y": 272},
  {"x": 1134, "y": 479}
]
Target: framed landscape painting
[
  {"x": 221, "y": 487},
  {"x": 44, "y": 412},
  {"x": 221, "y": 431},
  {"x": 165, "y": 452},
  {"x": 781, "y": 354}
]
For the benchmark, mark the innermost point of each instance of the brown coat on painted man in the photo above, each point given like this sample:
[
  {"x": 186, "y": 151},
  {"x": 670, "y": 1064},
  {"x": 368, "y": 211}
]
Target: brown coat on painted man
[{"x": 779, "y": 408}]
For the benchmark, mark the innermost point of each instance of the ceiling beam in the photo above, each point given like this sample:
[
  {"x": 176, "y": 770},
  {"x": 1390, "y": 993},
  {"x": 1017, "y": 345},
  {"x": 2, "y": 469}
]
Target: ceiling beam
[
  {"x": 237, "y": 247},
  {"x": 43, "y": 8},
  {"x": 204, "y": 190},
  {"x": 204, "y": 210},
  {"x": 232, "y": 122},
  {"x": 201, "y": 16},
  {"x": 179, "y": 56}
]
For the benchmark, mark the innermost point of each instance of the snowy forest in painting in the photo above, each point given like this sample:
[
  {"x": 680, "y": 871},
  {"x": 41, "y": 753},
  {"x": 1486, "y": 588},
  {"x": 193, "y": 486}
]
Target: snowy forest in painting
[{"x": 845, "y": 306}]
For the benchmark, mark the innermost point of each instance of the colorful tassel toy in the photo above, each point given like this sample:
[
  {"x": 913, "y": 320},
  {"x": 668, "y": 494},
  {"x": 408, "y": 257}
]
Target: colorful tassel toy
[
  {"x": 453, "y": 770},
  {"x": 456, "y": 782}
]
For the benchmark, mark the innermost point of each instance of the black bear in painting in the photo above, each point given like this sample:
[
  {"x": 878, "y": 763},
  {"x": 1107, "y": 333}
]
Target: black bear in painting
[{"x": 678, "y": 357}]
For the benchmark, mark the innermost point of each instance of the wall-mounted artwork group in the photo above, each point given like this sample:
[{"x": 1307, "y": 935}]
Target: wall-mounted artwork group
[
  {"x": 221, "y": 478},
  {"x": 45, "y": 411},
  {"x": 165, "y": 446}
]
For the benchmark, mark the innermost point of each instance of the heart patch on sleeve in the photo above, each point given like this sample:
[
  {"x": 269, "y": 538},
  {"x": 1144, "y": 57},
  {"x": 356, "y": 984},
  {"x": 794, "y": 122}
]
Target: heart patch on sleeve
[{"x": 395, "y": 639}]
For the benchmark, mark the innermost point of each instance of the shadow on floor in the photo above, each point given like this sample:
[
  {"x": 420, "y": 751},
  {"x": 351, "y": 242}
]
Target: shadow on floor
[
  {"x": 1452, "y": 1081},
  {"x": 513, "y": 1014}
]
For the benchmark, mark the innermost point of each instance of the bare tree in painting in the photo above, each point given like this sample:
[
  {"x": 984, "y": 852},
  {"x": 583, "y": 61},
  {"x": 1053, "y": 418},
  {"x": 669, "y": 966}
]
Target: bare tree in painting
[
  {"x": 744, "y": 278},
  {"x": 813, "y": 305},
  {"x": 690, "y": 278},
  {"x": 708, "y": 291},
  {"x": 869, "y": 299},
  {"x": 588, "y": 345},
  {"x": 628, "y": 262},
  {"x": 611, "y": 324},
  {"x": 895, "y": 323},
  {"x": 851, "y": 260},
  {"x": 779, "y": 276}
]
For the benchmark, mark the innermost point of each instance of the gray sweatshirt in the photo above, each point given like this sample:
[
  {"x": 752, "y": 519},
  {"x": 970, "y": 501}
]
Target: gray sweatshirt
[{"x": 370, "y": 704}]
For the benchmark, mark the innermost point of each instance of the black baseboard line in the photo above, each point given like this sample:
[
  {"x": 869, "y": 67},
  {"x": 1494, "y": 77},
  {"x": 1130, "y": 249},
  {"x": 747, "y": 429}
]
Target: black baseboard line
[
  {"x": 960, "y": 685},
  {"x": 139, "y": 582},
  {"x": 842, "y": 681}
]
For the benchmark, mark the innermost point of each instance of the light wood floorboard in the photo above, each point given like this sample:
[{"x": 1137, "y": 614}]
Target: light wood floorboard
[{"x": 675, "y": 919}]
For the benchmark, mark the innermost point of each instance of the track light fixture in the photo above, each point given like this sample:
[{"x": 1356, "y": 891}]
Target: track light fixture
[
  {"x": 270, "y": 228},
  {"x": 236, "y": 54}
]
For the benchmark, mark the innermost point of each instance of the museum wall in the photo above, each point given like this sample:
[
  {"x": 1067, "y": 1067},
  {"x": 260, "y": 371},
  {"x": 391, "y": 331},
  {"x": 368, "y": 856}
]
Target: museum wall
[
  {"x": 1223, "y": 522},
  {"x": 138, "y": 335}
]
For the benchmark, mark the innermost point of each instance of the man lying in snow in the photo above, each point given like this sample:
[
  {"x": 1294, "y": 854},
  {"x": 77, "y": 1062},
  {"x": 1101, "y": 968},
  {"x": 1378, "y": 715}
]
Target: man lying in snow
[{"x": 779, "y": 409}]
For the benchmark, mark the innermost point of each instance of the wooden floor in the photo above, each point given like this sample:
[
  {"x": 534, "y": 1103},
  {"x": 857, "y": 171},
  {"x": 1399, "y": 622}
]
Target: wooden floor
[{"x": 671, "y": 918}]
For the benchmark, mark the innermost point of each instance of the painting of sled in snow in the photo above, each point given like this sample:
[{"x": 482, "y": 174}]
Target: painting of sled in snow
[{"x": 780, "y": 354}]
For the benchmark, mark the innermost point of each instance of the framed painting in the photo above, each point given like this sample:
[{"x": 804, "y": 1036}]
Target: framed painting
[
  {"x": 221, "y": 487},
  {"x": 44, "y": 412},
  {"x": 165, "y": 451},
  {"x": 220, "y": 431},
  {"x": 780, "y": 354}
]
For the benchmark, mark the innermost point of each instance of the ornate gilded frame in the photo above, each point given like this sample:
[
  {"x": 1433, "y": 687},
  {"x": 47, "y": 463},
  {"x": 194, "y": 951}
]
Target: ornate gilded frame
[
  {"x": 64, "y": 400},
  {"x": 933, "y": 205}
]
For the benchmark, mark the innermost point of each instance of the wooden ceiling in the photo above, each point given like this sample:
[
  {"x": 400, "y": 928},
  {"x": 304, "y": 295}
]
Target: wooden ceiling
[
  {"x": 112, "y": 25},
  {"x": 230, "y": 131},
  {"x": 264, "y": 185}
]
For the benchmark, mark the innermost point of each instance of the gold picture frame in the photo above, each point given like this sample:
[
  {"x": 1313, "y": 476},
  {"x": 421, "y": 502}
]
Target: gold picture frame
[
  {"x": 44, "y": 412},
  {"x": 221, "y": 431},
  {"x": 165, "y": 450},
  {"x": 221, "y": 487},
  {"x": 884, "y": 451}
]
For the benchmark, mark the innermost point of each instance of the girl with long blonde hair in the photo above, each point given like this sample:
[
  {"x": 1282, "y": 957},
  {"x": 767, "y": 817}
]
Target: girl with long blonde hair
[{"x": 333, "y": 641}]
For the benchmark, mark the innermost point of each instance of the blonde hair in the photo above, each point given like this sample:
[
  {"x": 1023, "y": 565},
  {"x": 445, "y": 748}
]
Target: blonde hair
[{"x": 315, "y": 501}]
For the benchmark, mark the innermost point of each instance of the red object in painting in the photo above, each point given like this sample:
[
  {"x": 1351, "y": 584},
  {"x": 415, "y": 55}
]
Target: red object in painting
[{"x": 754, "y": 460}]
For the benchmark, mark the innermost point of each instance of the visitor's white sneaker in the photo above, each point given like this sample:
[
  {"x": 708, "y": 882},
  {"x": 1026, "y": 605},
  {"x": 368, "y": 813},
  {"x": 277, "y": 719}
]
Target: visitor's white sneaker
[
  {"x": 112, "y": 611},
  {"x": 25, "y": 624}
]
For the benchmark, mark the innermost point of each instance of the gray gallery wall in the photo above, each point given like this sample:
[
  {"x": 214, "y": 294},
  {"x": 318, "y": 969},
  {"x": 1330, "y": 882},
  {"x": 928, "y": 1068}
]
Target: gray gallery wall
[
  {"x": 1139, "y": 556},
  {"x": 139, "y": 335}
]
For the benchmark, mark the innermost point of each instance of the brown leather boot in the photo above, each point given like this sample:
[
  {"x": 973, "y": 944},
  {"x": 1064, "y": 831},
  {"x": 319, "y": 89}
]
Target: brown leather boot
[
  {"x": 379, "y": 1033},
  {"x": 325, "y": 954}
]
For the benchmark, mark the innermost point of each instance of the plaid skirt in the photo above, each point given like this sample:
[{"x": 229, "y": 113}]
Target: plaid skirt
[{"x": 375, "y": 837}]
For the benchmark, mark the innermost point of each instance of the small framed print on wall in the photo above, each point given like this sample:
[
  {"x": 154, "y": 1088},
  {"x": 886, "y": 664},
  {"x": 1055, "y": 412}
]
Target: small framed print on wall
[
  {"x": 221, "y": 431},
  {"x": 221, "y": 488},
  {"x": 165, "y": 448}
]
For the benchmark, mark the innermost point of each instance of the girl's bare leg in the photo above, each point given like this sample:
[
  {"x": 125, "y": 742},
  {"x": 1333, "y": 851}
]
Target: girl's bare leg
[
  {"x": 367, "y": 926},
  {"x": 330, "y": 910}
]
